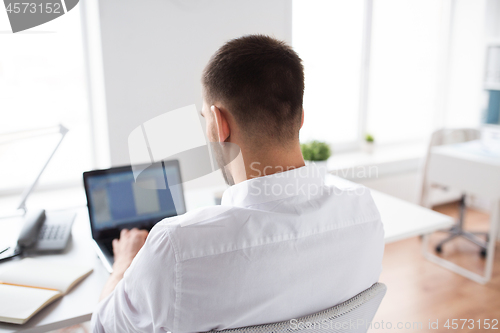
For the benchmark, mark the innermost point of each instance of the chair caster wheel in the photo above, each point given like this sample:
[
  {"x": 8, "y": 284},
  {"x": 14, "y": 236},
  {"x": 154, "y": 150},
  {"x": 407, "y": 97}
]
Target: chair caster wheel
[
  {"x": 483, "y": 253},
  {"x": 439, "y": 249}
]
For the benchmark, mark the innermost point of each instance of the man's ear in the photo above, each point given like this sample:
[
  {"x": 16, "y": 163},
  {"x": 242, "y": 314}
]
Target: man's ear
[
  {"x": 302, "y": 120},
  {"x": 223, "y": 130}
]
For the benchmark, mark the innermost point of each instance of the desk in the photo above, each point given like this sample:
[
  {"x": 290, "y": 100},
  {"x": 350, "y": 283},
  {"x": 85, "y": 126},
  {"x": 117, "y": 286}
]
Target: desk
[
  {"x": 472, "y": 169},
  {"x": 78, "y": 304},
  {"x": 401, "y": 220}
]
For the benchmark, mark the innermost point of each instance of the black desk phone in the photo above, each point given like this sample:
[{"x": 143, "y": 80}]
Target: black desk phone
[
  {"x": 46, "y": 231},
  {"x": 42, "y": 232}
]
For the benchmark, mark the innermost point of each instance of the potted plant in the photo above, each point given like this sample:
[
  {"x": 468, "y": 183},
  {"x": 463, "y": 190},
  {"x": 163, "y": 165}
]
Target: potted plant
[
  {"x": 316, "y": 152},
  {"x": 369, "y": 144}
]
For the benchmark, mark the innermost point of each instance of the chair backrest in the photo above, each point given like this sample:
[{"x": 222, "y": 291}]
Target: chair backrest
[
  {"x": 354, "y": 316},
  {"x": 445, "y": 136}
]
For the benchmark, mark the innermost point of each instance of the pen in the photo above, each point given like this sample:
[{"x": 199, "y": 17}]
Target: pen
[{"x": 2, "y": 251}]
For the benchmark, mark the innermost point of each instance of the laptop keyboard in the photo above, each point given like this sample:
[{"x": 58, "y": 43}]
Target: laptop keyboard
[{"x": 109, "y": 247}]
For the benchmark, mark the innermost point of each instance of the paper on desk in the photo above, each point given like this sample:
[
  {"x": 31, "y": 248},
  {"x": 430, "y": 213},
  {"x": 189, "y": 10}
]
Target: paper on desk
[{"x": 39, "y": 273}]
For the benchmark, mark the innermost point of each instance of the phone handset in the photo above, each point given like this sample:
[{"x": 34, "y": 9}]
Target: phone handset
[{"x": 33, "y": 221}]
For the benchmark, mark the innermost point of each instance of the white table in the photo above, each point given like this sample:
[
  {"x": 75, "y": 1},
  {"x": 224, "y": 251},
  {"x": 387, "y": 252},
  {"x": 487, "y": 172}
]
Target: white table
[
  {"x": 473, "y": 169},
  {"x": 78, "y": 304},
  {"x": 401, "y": 220}
]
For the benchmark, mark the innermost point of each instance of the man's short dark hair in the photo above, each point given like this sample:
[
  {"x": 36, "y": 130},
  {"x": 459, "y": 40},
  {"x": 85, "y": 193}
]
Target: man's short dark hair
[{"x": 261, "y": 81}]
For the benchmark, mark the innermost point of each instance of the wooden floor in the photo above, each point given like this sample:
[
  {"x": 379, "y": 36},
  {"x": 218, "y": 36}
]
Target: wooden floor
[{"x": 422, "y": 292}]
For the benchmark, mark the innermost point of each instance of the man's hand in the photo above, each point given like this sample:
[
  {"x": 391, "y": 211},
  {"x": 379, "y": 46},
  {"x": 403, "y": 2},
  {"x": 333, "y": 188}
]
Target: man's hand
[{"x": 125, "y": 249}]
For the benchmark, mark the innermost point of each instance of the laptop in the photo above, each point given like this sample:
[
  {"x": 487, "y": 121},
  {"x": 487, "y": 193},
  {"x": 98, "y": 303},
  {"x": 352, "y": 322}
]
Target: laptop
[{"x": 130, "y": 197}]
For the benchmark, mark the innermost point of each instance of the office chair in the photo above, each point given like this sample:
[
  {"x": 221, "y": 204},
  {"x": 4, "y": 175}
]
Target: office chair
[
  {"x": 444, "y": 137},
  {"x": 354, "y": 315}
]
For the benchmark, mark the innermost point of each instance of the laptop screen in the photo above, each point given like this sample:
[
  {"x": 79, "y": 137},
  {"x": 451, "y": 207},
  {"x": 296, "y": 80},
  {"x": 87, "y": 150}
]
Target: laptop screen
[{"x": 117, "y": 200}]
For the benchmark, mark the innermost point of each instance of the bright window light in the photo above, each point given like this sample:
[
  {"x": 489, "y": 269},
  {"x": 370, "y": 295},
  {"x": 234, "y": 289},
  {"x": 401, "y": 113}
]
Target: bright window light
[
  {"x": 42, "y": 84},
  {"x": 466, "y": 100},
  {"x": 327, "y": 35},
  {"x": 404, "y": 73}
]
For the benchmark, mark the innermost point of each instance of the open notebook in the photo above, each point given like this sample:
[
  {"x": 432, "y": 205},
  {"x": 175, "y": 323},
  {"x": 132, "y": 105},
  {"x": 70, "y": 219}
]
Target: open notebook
[{"x": 29, "y": 285}]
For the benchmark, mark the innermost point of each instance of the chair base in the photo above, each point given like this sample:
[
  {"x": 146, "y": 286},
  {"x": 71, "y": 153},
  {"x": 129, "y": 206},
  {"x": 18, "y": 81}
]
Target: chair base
[{"x": 458, "y": 231}]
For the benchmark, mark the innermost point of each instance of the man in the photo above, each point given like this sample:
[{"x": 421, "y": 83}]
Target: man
[{"x": 282, "y": 245}]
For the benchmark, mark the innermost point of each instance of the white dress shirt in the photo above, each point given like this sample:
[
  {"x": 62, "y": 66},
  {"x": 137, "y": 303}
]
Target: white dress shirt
[{"x": 279, "y": 247}]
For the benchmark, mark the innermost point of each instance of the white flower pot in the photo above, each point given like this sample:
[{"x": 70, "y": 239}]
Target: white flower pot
[{"x": 368, "y": 147}]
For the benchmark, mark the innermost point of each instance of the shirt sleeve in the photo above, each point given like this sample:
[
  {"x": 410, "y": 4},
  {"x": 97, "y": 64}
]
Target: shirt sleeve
[{"x": 144, "y": 300}]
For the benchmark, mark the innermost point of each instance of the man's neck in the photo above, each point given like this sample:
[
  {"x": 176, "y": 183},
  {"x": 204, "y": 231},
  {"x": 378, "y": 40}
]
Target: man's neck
[{"x": 266, "y": 162}]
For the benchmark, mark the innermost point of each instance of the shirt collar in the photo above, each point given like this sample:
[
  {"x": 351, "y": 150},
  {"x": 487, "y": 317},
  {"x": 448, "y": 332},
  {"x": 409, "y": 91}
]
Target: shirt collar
[{"x": 300, "y": 181}]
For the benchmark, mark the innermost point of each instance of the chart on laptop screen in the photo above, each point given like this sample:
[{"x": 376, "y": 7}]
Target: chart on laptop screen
[{"x": 117, "y": 198}]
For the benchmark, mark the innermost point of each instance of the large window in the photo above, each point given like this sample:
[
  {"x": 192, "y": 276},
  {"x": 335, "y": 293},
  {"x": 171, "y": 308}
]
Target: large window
[
  {"x": 328, "y": 36},
  {"x": 382, "y": 67},
  {"x": 42, "y": 84},
  {"x": 396, "y": 69},
  {"x": 404, "y": 74}
]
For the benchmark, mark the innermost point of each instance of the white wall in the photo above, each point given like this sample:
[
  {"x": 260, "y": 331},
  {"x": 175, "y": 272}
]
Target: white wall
[{"x": 153, "y": 53}]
